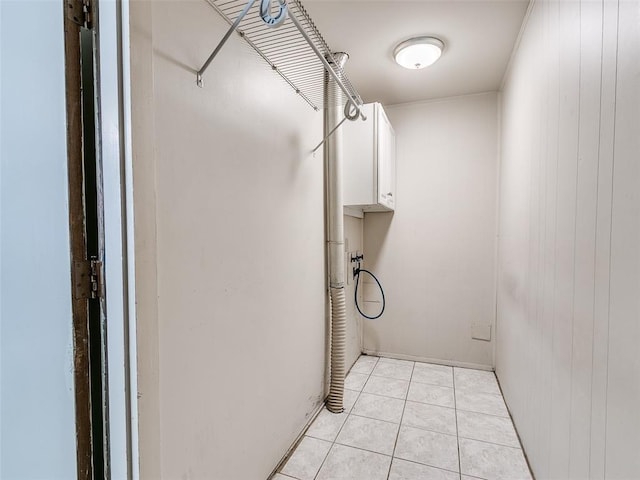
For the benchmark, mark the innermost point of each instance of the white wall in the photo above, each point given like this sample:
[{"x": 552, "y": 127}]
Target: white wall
[
  {"x": 353, "y": 232},
  {"x": 435, "y": 256},
  {"x": 569, "y": 256},
  {"x": 37, "y": 416},
  {"x": 229, "y": 249}
]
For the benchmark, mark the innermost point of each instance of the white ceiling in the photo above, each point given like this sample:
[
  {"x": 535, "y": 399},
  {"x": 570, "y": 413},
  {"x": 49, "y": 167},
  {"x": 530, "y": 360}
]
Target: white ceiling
[{"x": 478, "y": 34}]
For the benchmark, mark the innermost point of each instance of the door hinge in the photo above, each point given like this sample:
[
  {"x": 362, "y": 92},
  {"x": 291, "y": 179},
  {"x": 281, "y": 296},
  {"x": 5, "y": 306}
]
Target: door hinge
[
  {"x": 79, "y": 12},
  {"x": 88, "y": 279}
]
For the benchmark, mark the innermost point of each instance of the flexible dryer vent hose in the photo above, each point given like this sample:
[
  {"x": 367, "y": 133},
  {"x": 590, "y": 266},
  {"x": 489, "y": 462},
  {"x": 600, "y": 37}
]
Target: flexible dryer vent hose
[
  {"x": 335, "y": 238},
  {"x": 338, "y": 347}
]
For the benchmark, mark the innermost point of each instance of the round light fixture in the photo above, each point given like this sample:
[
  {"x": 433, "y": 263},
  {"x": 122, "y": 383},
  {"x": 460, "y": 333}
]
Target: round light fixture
[{"x": 418, "y": 52}]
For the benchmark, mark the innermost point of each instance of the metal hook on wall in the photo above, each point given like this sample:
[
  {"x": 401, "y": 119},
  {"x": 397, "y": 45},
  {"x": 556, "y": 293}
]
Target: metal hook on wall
[{"x": 351, "y": 111}]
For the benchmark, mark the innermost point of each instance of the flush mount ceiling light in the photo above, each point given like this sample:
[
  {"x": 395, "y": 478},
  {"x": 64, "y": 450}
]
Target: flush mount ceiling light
[{"x": 418, "y": 52}]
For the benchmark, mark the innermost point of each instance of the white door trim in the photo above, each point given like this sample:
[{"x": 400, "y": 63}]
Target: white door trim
[{"x": 114, "y": 103}]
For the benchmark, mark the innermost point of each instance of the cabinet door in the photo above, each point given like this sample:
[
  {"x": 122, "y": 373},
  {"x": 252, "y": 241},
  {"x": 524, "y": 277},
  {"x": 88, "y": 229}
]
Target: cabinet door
[
  {"x": 386, "y": 161},
  {"x": 359, "y": 147}
]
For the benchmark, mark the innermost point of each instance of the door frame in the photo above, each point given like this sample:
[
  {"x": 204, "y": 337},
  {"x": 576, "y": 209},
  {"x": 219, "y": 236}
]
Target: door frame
[
  {"x": 78, "y": 250},
  {"x": 115, "y": 185},
  {"x": 115, "y": 151}
]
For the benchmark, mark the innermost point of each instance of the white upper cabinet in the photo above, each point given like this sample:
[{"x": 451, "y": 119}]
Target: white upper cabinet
[{"x": 370, "y": 162}]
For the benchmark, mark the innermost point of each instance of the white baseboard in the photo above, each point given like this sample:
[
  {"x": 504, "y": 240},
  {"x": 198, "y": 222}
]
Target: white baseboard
[{"x": 450, "y": 363}]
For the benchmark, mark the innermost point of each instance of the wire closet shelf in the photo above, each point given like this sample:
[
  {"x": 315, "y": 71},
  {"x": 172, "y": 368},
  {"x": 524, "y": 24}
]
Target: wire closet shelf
[{"x": 294, "y": 49}]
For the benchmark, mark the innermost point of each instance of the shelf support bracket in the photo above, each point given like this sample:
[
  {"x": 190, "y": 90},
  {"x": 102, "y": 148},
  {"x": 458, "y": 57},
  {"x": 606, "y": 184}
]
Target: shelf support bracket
[
  {"x": 222, "y": 42},
  {"x": 348, "y": 115},
  {"x": 328, "y": 135}
]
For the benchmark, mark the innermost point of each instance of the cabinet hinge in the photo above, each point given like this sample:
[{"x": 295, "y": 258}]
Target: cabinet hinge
[
  {"x": 88, "y": 279},
  {"x": 79, "y": 12}
]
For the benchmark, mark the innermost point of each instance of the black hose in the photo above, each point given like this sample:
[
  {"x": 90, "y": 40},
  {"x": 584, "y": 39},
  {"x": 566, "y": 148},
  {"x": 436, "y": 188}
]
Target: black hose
[{"x": 356, "y": 294}]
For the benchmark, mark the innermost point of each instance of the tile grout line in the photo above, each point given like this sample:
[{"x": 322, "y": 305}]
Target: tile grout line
[
  {"x": 386, "y": 396},
  {"x": 468, "y": 390},
  {"x": 363, "y": 449},
  {"x": 480, "y": 413},
  {"x": 491, "y": 443},
  {"x": 433, "y": 404},
  {"x": 333, "y": 443},
  {"x": 394, "y": 378},
  {"x": 423, "y": 429},
  {"x": 455, "y": 403},
  {"x": 405, "y": 400},
  {"x": 374, "y": 418},
  {"x": 417, "y": 427},
  {"x": 399, "y": 458},
  {"x": 292, "y": 450},
  {"x": 393, "y": 453},
  {"x": 392, "y": 457},
  {"x": 428, "y": 465}
]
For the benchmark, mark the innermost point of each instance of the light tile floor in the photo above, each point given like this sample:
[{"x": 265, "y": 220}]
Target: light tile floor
[{"x": 411, "y": 421}]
